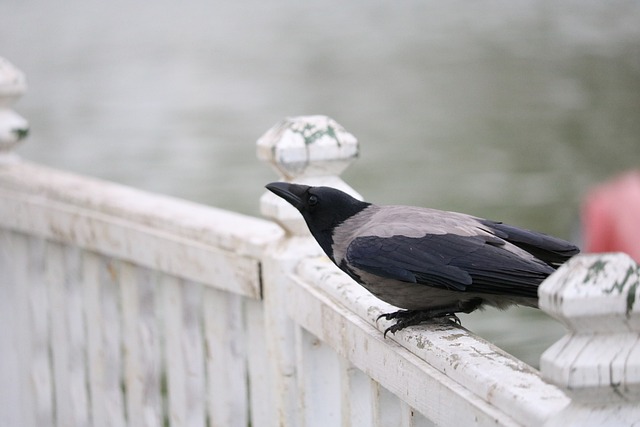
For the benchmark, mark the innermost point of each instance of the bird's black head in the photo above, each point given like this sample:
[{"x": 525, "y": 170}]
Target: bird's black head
[{"x": 323, "y": 208}]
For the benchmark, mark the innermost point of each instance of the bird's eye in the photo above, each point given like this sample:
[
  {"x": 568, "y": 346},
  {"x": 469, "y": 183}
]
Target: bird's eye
[{"x": 313, "y": 200}]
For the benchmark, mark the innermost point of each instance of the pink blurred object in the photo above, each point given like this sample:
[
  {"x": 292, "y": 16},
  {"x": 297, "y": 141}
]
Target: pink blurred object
[{"x": 611, "y": 216}]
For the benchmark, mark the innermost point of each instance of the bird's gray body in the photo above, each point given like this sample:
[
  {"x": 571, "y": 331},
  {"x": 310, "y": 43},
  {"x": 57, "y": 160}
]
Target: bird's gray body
[
  {"x": 389, "y": 221},
  {"x": 409, "y": 221}
]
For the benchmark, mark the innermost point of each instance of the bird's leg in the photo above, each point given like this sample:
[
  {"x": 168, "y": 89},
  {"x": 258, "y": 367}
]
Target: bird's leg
[{"x": 406, "y": 318}]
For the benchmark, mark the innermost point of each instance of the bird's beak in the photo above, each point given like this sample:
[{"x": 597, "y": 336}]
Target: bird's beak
[{"x": 292, "y": 193}]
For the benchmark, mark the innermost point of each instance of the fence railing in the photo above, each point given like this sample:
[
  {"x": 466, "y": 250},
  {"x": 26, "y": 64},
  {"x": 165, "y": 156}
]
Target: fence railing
[{"x": 121, "y": 307}]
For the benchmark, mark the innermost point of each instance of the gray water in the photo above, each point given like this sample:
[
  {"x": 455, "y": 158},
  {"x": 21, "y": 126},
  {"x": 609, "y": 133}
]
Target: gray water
[{"x": 505, "y": 109}]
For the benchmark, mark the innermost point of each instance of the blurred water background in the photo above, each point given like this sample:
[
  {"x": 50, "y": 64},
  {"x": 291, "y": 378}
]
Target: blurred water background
[{"x": 506, "y": 109}]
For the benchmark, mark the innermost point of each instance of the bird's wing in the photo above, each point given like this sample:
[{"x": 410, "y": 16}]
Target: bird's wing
[
  {"x": 547, "y": 248},
  {"x": 463, "y": 263}
]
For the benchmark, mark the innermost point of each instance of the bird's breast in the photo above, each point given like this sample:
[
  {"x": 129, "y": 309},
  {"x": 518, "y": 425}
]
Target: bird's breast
[{"x": 410, "y": 296}]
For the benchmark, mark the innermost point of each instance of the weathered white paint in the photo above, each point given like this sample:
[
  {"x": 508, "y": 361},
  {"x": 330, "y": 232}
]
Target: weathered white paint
[
  {"x": 388, "y": 409},
  {"x": 279, "y": 333},
  {"x": 226, "y": 358},
  {"x": 318, "y": 372},
  {"x": 67, "y": 335},
  {"x": 184, "y": 364},
  {"x": 181, "y": 219},
  {"x": 143, "y": 374},
  {"x": 138, "y": 242},
  {"x": 37, "y": 356},
  {"x": 127, "y": 308},
  {"x": 261, "y": 382},
  {"x": 598, "y": 362},
  {"x": 102, "y": 316},
  {"x": 357, "y": 396},
  {"x": 11, "y": 303}
]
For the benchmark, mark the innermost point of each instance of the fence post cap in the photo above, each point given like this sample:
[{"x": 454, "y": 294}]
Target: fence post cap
[
  {"x": 594, "y": 293},
  {"x": 305, "y": 146},
  {"x": 13, "y": 127},
  {"x": 311, "y": 150},
  {"x": 598, "y": 298}
]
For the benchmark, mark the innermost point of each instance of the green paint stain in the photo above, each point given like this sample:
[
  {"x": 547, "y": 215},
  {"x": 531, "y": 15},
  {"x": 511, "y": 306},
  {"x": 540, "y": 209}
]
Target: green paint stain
[
  {"x": 619, "y": 286},
  {"x": 631, "y": 297},
  {"x": 631, "y": 289},
  {"x": 595, "y": 270},
  {"x": 311, "y": 134},
  {"x": 21, "y": 133}
]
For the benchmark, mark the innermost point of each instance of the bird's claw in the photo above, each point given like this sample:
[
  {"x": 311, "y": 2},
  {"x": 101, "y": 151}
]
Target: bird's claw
[
  {"x": 407, "y": 318},
  {"x": 390, "y": 316},
  {"x": 393, "y": 329},
  {"x": 455, "y": 319},
  {"x": 381, "y": 316}
]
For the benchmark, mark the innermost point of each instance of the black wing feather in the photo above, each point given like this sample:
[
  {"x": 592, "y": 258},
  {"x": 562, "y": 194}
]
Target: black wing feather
[
  {"x": 547, "y": 248},
  {"x": 461, "y": 263}
]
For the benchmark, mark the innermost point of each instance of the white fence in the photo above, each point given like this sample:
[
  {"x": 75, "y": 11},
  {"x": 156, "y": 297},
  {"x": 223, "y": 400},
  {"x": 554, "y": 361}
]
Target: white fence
[{"x": 121, "y": 307}]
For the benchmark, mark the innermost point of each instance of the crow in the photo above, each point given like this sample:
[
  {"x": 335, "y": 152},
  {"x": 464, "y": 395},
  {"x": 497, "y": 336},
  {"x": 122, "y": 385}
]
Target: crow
[{"x": 430, "y": 263}]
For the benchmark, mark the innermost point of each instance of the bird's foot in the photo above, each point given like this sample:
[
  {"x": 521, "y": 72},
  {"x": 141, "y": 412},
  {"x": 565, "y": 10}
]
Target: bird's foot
[{"x": 405, "y": 318}]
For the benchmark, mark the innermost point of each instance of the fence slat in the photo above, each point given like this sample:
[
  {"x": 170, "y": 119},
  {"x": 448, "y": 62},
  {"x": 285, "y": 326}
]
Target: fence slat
[
  {"x": 40, "y": 333},
  {"x": 387, "y": 408},
  {"x": 318, "y": 369},
  {"x": 260, "y": 381},
  {"x": 142, "y": 357},
  {"x": 68, "y": 338},
  {"x": 19, "y": 323},
  {"x": 226, "y": 360},
  {"x": 183, "y": 351},
  {"x": 103, "y": 341},
  {"x": 357, "y": 396}
]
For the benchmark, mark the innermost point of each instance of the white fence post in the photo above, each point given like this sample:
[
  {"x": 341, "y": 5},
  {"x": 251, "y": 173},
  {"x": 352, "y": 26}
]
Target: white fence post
[
  {"x": 598, "y": 362},
  {"x": 15, "y": 347},
  {"x": 13, "y": 128},
  {"x": 311, "y": 150}
]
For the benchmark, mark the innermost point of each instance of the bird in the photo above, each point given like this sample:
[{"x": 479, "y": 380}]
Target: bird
[{"x": 432, "y": 264}]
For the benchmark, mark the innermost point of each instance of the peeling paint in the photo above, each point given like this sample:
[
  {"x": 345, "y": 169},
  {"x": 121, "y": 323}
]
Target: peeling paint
[
  {"x": 488, "y": 354},
  {"x": 454, "y": 360},
  {"x": 453, "y": 337},
  {"x": 521, "y": 367},
  {"x": 422, "y": 342},
  {"x": 491, "y": 391}
]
